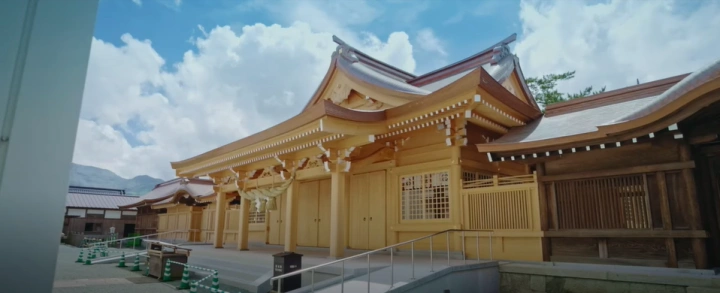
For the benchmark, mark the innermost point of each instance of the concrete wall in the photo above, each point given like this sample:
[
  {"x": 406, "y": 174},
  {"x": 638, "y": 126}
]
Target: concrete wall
[
  {"x": 475, "y": 278},
  {"x": 572, "y": 278}
]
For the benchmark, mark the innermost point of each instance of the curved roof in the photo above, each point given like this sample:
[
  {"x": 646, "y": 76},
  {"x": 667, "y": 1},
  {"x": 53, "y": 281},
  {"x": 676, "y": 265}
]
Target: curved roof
[
  {"x": 372, "y": 76},
  {"x": 167, "y": 190},
  {"x": 410, "y": 91},
  {"x": 609, "y": 113}
]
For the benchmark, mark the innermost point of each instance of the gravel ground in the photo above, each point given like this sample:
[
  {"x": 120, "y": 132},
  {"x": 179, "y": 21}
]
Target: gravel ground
[{"x": 72, "y": 277}]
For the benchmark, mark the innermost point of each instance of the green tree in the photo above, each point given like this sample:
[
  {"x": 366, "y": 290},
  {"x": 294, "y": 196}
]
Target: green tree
[{"x": 545, "y": 93}]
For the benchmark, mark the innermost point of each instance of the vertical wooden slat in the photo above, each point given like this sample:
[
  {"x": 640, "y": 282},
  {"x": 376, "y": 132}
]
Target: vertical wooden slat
[
  {"x": 646, "y": 195},
  {"x": 553, "y": 206},
  {"x": 664, "y": 202}
]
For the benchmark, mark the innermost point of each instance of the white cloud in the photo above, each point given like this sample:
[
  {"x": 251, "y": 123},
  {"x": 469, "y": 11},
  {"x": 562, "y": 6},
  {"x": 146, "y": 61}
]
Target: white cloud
[
  {"x": 613, "y": 43},
  {"x": 138, "y": 2},
  {"x": 427, "y": 41},
  {"x": 233, "y": 85}
]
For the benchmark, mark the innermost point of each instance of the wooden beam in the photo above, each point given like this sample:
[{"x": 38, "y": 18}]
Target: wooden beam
[
  {"x": 336, "y": 125},
  {"x": 622, "y": 171},
  {"x": 703, "y": 139},
  {"x": 625, "y": 233}
]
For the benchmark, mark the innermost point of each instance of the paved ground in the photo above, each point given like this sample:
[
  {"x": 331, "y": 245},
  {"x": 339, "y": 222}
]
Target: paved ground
[{"x": 72, "y": 277}]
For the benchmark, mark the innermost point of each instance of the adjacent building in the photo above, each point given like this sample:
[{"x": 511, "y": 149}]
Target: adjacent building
[
  {"x": 94, "y": 213},
  {"x": 379, "y": 156}
]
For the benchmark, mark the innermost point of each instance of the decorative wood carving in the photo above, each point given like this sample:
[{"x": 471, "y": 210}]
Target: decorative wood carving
[{"x": 340, "y": 93}]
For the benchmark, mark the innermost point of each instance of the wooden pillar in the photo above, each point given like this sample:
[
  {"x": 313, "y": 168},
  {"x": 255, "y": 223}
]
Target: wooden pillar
[
  {"x": 220, "y": 209},
  {"x": 455, "y": 188},
  {"x": 666, "y": 218},
  {"x": 244, "y": 226},
  {"x": 291, "y": 205},
  {"x": 545, "y": 242},
  {"x": 698, "y": 244},
  {"x": 338, "y": 213}
]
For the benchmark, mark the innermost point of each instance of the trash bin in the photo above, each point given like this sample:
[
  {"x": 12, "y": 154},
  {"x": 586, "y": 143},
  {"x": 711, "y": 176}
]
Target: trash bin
[
  {"x": 287, "y": 262},
  {"x": 160, "y": 252}
]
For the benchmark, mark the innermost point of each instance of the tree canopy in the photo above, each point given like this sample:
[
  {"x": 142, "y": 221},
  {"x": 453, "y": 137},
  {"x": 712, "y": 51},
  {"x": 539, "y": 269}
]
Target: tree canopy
[{"x": 545, "y": 92}]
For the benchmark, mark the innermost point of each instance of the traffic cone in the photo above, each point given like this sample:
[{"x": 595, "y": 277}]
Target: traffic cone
[
  {"x": 193, "y": 287},
  {"x": 136, "y": 264},
  {"x": 87, "y": 259},
  {"x": 147, "y": 267},
  {"x": 166, "y": 275},
  {"x": 121, "y": 264},
  {"x": 80, "y": 258},
  {"x": 215, "y": 282},
  {"x": 185, "y": 284}
]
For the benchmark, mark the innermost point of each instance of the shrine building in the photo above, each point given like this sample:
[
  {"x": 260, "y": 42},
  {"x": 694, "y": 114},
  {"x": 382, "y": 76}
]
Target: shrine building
[{"x": 380, "y": 156}]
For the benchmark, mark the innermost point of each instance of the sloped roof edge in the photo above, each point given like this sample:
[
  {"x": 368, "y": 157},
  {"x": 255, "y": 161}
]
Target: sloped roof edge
[{"x": 653, "y": 101}]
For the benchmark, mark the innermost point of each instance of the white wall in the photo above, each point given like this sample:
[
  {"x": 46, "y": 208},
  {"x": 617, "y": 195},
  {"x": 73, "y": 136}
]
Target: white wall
[{"x": 109, "y": 214}]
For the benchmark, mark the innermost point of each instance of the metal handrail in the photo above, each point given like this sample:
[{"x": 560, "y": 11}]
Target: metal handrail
[
  {"x": 368, "y": 253},
  {"x": 134, "y": 237}
]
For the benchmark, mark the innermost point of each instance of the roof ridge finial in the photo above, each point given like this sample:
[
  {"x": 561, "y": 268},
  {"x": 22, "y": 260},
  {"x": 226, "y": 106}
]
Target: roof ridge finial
[
  {"x": 499, "y": 52},
  {"x": 344, "y": 50}
]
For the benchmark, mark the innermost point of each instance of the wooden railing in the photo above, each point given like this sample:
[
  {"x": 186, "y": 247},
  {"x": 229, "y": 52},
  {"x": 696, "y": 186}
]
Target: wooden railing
[
  {"x": 497, "y": 181},
  {"x": 502, "y": 203}
]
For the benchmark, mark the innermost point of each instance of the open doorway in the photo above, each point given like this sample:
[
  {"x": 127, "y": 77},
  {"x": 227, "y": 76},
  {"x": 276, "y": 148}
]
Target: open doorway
[{"x": 128, "y": 230}]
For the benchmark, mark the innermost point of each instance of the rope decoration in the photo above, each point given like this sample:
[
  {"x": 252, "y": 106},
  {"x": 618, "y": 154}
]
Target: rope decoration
[{"x": 264, "y": 198}]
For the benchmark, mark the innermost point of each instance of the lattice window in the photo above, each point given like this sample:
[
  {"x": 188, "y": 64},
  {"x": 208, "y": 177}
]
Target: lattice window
[
  {"x": 425, "y": 196},
  {"x": 619, "y": 202},
  {"x": 257, "y": 217},
  {"x": 472, "y": 176}
]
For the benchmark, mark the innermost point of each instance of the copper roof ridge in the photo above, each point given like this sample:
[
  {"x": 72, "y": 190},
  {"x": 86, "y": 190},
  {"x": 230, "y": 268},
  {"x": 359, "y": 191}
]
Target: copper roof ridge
[
  {"x": 457, "y": 64},
  {"x": 375, "y": 63},
  {"x": 606, "y": 98}
]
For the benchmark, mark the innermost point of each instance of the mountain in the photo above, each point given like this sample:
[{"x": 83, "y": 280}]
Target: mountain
[{"x": 88, "y": 176}]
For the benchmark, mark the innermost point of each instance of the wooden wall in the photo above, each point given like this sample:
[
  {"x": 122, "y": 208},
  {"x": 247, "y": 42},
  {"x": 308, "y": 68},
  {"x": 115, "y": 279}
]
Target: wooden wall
[
  {"x": 629, "y": 205},
  {"x": 77, "y": 225},
  {"x": 147, "y": 220},
  {"x": 182, "y": 218}
]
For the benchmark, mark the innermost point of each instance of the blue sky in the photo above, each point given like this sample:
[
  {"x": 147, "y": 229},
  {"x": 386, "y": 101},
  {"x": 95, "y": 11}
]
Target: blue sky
[
  {"x": 170, "y": 79},
  {"x": 468, "y": 26}
]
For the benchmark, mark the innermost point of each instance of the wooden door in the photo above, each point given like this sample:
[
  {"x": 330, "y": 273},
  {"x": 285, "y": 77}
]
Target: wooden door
[
  {"x": 323, "y": 226},
  {"x": 276, "y": 226},
  {"x": 358, "y": 207},
  {"x": 376, "y": 209},
  {"x": 307, "y": 225}
]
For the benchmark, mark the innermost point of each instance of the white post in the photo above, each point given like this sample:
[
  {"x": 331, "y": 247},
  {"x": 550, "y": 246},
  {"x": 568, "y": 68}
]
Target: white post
[{"x": 45, "y": 50}]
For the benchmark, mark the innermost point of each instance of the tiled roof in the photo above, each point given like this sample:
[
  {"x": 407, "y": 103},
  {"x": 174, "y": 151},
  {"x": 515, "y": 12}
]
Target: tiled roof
[
  {"x": 164, "y": 192},
  {"x": 95, "y": 190},
  {"x": 96, "y": 201},
  {"x": 573, "y": 123}
]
